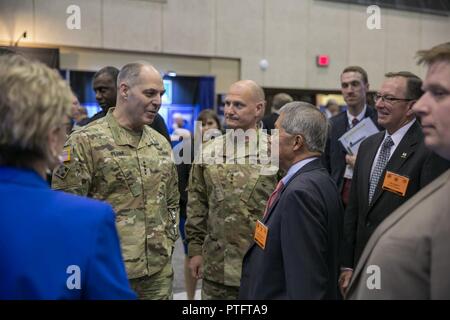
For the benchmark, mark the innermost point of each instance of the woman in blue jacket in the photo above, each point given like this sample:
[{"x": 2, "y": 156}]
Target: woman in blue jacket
[{"x": 52, "y": 245}]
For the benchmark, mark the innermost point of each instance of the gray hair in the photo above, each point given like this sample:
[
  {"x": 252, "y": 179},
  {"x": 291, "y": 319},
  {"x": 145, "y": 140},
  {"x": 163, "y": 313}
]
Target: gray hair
[
  {"x": 131, "y": 71},
  {"x": 33, "y": 100},
  {"x": 306, "y": 120},
  {"x": 280, "y": 99}
]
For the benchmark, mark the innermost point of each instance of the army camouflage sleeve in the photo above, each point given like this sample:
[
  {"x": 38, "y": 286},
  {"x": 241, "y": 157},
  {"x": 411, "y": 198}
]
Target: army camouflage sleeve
[
  {"x": 173, "y": 198},
  {"x": 75, "y": 174},
  {"x": 197, "y": 211}
]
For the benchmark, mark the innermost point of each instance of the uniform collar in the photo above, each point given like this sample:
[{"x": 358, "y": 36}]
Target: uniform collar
[
  {"x": 121, "y": 135},
  {"x": 258, "y": 147}
]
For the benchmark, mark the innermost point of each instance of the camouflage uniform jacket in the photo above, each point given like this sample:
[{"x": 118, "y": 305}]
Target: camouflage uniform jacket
[
  {"x": 140, "y": 182},
  {"x": 224, "y": 202}
]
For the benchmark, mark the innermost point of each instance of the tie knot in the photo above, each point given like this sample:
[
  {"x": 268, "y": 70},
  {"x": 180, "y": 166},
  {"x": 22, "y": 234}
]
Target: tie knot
[
  {"x": 355, "y": 121},
  {"x": 388, "y": 142}
]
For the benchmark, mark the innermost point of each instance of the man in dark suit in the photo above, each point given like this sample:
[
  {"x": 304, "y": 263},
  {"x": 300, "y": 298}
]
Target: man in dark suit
[
  {"x": 296, "y": 250},
  {"x": 391, "y": 167},
  {"x": 354, "y": 87},
  {"x": 279, "y": 100},
  {"x": 105, "y": 88},
  {"x": 410, "y": 248}
]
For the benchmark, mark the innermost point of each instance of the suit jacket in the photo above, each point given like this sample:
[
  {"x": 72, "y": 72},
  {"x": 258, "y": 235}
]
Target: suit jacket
[
  {"x": 301, "y": 256},
  {"x": 411, "y": 249},
  {"x": 334, "y": 156},
  {"x": 411, "y": 159},
  {"x": 49, "y": 239}
]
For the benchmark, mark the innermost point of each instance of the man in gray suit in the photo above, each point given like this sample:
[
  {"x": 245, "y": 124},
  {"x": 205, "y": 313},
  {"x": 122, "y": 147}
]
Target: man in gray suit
[{"x": 407, "y": 257}]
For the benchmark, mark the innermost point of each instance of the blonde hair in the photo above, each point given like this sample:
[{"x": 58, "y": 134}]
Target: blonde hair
[{"x": 33, "y": 100}]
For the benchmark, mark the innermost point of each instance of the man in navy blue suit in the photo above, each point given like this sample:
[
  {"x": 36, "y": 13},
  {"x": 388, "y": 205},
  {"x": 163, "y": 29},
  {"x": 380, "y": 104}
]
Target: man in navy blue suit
[
  {"x": 354, "y": 87},
  {"x": 296, "y": 250},
  {"x": 52, "y": 245}
]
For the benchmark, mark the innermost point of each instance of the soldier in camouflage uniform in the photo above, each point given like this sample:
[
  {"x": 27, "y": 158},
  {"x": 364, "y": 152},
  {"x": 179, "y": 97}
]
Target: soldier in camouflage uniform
[
  {"x": 121, "y": 160},
  {"x": 225, "y": 199}
]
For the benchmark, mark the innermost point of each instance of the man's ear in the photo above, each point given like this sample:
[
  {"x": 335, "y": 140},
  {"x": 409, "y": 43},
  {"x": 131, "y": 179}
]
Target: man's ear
[
  {"x": 123, "y": 90},
  {"x": 298, "y": 142},
  {"x": 410, "y": 111},
  {"x": 260, "y": 109}
]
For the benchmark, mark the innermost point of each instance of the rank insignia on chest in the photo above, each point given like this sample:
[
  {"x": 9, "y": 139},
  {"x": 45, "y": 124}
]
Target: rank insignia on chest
[{"x": 62, "y": 171}]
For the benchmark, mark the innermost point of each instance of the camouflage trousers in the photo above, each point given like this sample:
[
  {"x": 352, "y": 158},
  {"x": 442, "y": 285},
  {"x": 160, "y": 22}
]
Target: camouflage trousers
[
  {"x": 155, "y": 287},
  {"x": 217, "y": 291}
]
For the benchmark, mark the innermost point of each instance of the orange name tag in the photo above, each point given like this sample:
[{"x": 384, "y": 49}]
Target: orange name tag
[
  {"x": 395, "y": 183},
  {"x": 261, "y": 234}
]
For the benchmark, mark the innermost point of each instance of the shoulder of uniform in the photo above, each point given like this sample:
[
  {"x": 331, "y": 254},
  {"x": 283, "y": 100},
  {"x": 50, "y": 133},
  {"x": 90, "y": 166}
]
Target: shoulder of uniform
[
  {"x": 93, "y": 126},
  {"x": 88, "y": 132},
  {"x": 211, "y": 144},
  {"x": 263, "y": 134}
]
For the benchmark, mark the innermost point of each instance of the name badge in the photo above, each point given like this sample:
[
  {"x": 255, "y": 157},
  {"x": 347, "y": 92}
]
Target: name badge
[
  {"x": 261, "y": 234},
  {"x": 395, "y": 183}
]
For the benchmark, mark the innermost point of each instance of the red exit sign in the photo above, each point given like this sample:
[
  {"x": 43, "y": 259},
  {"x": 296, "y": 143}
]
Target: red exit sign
[{"x": 323, "y": 60}]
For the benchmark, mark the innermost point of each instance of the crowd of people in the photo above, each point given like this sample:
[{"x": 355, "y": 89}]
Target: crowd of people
[{"x": 312, "y": 225}]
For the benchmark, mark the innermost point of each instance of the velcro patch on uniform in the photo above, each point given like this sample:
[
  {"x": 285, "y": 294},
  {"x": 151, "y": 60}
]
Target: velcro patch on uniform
[
  {"x": 62, "y": 171},
  {"x": 117, "y": 153},
  {"x": 66, "y": 154}
]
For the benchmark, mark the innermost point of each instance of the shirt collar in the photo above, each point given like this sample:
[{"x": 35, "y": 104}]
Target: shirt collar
[
  {"x": 398, "y": 135},
  {"x": 295, "y": 168},
  {"x": 360, "y": 116}
]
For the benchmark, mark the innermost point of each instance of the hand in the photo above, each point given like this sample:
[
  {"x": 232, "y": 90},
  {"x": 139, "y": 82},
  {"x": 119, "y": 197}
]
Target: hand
[
  {"x": 350, "y": 160},
  {"x": 344, "y": 281},
  {"x": 196, "y": 266}
]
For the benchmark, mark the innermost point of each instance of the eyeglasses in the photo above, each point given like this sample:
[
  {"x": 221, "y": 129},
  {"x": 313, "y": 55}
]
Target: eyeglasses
[{"x": 388, "y": 99}]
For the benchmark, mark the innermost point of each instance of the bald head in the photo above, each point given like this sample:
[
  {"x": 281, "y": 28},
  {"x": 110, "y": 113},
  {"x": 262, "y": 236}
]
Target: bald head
[
  {"x": 244, "y": 105},
  {"x": 255, "y": 91},
  {"x": 130, "y": 73}
]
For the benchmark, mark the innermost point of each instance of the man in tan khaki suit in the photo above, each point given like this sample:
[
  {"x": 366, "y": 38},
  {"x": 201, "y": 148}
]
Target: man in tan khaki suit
[{"x": 408, "y": 256}]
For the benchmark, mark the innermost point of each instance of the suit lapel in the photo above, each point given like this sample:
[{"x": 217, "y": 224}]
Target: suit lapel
[
  {"x": 274, "y": 205},
  {"x": 403, "y": 152},
  {"x": 369, "y": 156},
  {"x": 313, "y": 165},
  {"x": 341, "y": 129},
  {"x": 367, "y": 166},
  {"x": 392, "y": 219}
]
